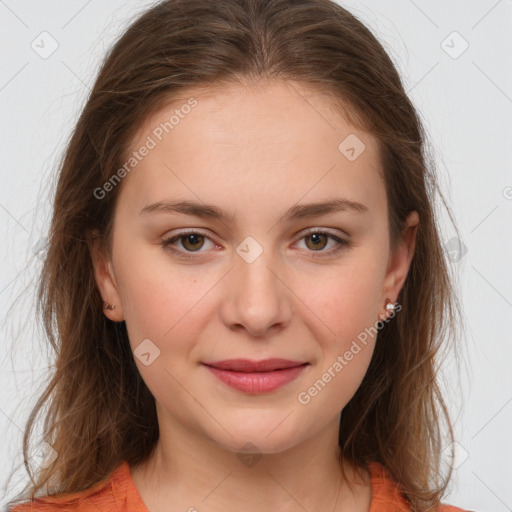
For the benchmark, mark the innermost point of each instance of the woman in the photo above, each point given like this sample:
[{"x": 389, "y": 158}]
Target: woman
[{"x": 246, "y": 274}]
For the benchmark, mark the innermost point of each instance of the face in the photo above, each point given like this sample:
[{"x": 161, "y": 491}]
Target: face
[{"x": 251, "y": 272}]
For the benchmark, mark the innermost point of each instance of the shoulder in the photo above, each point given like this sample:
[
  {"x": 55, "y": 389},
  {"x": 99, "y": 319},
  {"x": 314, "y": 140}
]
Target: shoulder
[
  {"x": 451, "y": 508},
  {"x": 103, "y": 496},
  {"x": 386, "y": 492}
]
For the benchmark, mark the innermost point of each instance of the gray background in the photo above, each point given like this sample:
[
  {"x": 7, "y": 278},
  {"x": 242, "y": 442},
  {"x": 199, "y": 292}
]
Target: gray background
[{"x": 465, "y": 100}]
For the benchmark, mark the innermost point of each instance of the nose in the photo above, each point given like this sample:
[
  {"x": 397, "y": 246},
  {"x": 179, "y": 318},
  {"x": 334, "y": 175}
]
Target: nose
[{"x": 257, "y": 298}]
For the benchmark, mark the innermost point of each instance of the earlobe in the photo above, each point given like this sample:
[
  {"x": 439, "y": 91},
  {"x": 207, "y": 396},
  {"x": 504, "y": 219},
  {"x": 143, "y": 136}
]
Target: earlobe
[
  {"x": 105, "y": 280},
  {"x": 389, "y": 308}
]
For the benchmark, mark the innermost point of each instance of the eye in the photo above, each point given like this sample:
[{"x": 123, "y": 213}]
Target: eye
[
  {"x": 191, "y": 241},
  {"x": 317, "y": 240}
]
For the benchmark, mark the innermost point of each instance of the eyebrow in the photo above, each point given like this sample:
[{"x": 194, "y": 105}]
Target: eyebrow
[{"x": 299, "y": 211}]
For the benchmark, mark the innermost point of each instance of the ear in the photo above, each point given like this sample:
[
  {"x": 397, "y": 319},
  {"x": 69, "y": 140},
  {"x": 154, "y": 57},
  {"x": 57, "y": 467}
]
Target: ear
[
  {"x": 400, "y": 260},
  {"x": 105, "y": 277}
]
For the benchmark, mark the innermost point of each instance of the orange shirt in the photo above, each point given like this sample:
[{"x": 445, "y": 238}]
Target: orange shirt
[{"x": 119, "y": 494}]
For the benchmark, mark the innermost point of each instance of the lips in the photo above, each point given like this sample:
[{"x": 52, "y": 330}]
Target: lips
[
  {"x": 246, "y": 365},
  {"x": 256, "y": 377}
]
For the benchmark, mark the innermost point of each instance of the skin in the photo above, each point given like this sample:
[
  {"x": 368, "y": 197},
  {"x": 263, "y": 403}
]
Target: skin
[{"x": 254, "y": 150}]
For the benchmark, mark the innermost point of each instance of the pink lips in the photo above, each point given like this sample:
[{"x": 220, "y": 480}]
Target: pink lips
[{"x": 256, "y": 376}]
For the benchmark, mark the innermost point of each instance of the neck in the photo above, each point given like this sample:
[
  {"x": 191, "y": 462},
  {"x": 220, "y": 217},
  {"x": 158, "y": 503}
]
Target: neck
[{"x": 193, "y": 472}]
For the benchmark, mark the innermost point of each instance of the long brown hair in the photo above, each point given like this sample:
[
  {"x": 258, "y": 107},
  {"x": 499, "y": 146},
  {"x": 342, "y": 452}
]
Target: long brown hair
[{"x": 100, "y": 411}]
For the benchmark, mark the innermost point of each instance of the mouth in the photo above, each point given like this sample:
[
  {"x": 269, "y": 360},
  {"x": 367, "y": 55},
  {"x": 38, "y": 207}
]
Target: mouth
[{"x": 256, "y": 377}]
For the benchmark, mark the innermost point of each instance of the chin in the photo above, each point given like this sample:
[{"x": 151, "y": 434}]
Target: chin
[
  {"x": 256, "y": 445},
  {"x": 254, "y": 434}
]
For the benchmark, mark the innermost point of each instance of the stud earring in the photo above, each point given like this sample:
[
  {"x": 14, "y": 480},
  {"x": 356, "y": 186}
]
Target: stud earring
[
  {"x": 108, "y": 306},
  {"x": 390, "y": 307}
]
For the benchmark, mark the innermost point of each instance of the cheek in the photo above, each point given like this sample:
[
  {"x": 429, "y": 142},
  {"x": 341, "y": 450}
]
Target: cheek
[
  {"x": 162, "y": 303},
  {"x": 346, "y": 300},
  {"x": 163, "y": 319}
]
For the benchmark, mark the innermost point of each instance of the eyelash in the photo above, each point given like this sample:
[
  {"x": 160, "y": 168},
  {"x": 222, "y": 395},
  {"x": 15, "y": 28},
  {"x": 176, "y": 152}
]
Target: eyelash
[{"x": 342, "y": 244}]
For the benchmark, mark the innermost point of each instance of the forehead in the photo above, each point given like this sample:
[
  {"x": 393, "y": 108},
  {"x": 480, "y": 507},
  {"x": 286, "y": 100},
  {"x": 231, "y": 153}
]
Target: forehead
[{"x": 253, "y": 141}]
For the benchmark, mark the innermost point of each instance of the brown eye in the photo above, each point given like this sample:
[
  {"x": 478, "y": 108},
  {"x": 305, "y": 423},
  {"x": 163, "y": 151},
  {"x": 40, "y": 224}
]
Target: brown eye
[
  {"x": 187, "y": 244},
  {"x": 192, "y": 242},
  {"x": 318, "y": 240}
]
